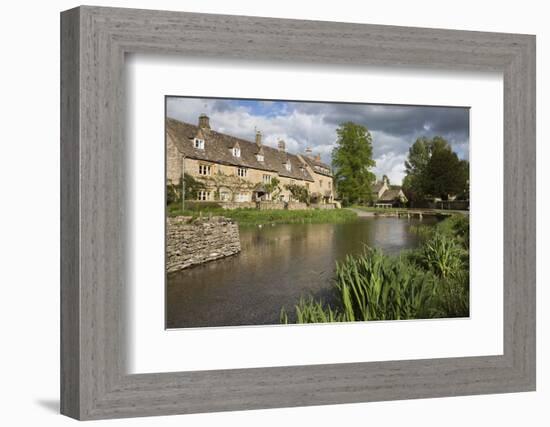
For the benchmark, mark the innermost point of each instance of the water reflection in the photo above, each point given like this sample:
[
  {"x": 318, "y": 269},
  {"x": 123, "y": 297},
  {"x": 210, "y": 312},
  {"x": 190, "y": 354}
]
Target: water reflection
[{"x": 276, "y": 266}]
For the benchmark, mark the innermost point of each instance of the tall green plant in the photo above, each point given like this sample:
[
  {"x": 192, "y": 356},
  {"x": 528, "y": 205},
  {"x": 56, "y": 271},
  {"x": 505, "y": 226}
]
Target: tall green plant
[
  {"x": 442, "y": 255},
  {"x": 373, "y": 286},
  {"x": 431, "y": 281}
]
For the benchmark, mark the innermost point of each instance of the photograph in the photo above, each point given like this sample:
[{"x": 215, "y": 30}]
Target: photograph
[{"x": 289, "y": 212}]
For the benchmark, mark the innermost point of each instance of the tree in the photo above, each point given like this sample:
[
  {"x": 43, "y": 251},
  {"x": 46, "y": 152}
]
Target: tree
[
  {"x": 299, "y": 192},
  {"x": 273, "y": 188},
  {"x": 445, "y": 174},
  {"x": 433, "y": 169},
  {"x": 352, "y": 160},
  {"x": 192, "y": 188}
]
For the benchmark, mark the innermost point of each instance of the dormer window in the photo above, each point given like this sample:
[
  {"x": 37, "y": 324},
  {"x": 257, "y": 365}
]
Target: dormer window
[
  {"x": 260, "y": 157},
  {"x": 288, "y": 166},
  {"x": 198, "y": 143},
  {"x": 236, "y": 152}
]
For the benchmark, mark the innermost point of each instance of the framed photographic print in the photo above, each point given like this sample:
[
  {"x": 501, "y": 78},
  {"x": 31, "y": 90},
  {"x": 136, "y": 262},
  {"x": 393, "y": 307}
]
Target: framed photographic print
[{"x": 262, "y": 213}]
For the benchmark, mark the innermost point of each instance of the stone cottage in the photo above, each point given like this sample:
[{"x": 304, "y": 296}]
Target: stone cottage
[
  {"x": 236, "y": 170},
  {"x": 385, "y": 195}
]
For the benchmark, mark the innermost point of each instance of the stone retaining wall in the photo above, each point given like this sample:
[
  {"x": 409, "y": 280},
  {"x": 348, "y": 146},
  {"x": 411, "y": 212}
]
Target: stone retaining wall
[
  {"x": 323, "y": 206},
  {"x": 294, "y": 206},
  {"x": 269, "y": 204},
  {"x": 192, "y": 242},
  {"x": 238, "y": 205}
]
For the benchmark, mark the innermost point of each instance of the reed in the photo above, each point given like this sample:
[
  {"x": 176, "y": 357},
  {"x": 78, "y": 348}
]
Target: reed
[{"x": 429, "y": 282}]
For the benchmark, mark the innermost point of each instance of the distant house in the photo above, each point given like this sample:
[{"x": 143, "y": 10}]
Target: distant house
[{"x": 385, "y": 195}]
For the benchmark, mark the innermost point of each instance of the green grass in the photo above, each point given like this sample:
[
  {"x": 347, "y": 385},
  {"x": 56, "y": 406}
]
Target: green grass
[
  {"x": 429, "y": 282},
  {"x": 255, "y": 216},
  {"x": 373, "y": 209},
  {"x": 405, "y": 210}
]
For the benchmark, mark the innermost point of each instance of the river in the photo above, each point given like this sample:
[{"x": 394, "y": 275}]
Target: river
[{"x": 277, "y": 265}]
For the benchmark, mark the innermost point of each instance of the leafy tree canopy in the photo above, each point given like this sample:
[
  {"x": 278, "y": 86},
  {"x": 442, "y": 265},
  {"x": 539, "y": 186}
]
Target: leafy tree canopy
[
  {"x": 299, "y": 192},
  {"x": 434, "y": 170},
  {"x": 352, "y": 160}
]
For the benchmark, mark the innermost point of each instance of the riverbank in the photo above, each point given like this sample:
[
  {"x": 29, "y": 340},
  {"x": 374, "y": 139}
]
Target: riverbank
[
  {"x": 276, "y": 266},
  {"x": 271, "y": 216},
  {"x": 367, "y": 211},
  {"x": 431, "y": 281}
]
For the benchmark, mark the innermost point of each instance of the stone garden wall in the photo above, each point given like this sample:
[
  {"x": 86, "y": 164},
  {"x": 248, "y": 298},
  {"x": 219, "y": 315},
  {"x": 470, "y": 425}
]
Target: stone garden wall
[
  {"x": 293, "y": 206},
  {"x": 191, "y": 242},
  {"x": 271, "y": 204},
  {"x": 238, "y": 205},
  {"x": 323, "y": 206}
]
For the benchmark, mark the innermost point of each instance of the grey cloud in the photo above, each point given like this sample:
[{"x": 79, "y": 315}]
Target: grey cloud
[{"x": 394, "y": 128}]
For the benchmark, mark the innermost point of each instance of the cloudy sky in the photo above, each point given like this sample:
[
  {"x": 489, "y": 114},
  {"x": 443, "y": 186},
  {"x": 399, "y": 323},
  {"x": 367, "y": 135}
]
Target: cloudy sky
[{"x": 301, "y": 124}]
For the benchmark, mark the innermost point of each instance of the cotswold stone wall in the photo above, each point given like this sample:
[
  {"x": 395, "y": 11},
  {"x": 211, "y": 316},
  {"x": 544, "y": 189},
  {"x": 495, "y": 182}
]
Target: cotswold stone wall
[
  {"x": 294, "y": 206},
  {"x": 238, "y": 205},
  {"x": 192, "y": 242},
  {"x": 269, "y": 204},
  {"x": 324, "y": 206}
]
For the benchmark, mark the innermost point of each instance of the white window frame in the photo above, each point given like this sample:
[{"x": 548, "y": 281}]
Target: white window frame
[
  {"x": 266, "y": 179},
  {"x": 198, "y": 143},
  {"x": 260, "y": 158},
  {"x": 242, "y": 172},
  {"x": 205, "y": 170},
  {"x": 203, "y": 195},
  {"x": 236, "y": 152},
  {"x": 288, "y": 166}
]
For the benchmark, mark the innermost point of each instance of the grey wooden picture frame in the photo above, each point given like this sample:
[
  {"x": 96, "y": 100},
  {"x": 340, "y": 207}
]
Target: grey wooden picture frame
[{"x": 94, "y": 381}]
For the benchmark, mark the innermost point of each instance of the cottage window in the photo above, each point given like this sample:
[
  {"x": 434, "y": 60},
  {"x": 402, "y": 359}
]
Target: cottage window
[
  {"x": 203, "y": 195},
  {"x": 241, "y": 197},
  {"x": 198, "y": 143},
  {"x": 267, "y": 179},
  {"x": 237, "y": 152},
  {"x": 288, "y": 166},
  {"x": 260, "y": 158},
  {"x": 241, "y": 172},
  {"x": 204, "y": 169}
]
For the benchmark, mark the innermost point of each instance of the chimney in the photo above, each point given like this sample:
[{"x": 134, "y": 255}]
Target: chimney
[
  {"x": 318, "y": 157},
  {"x": 204, "y": 121},
  {"x": 308, "y": 151},
  {"x": 258, "y": 138},
  {"x": 282, "y": 146}
]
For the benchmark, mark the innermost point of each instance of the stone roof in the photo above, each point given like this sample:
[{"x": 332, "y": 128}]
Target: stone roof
[
  {"x": 217, "y": 149},
  {"x": 317, "y": 166},
  {"x": 377, "y": 186},
  {"x": 391, "y": 195}
]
